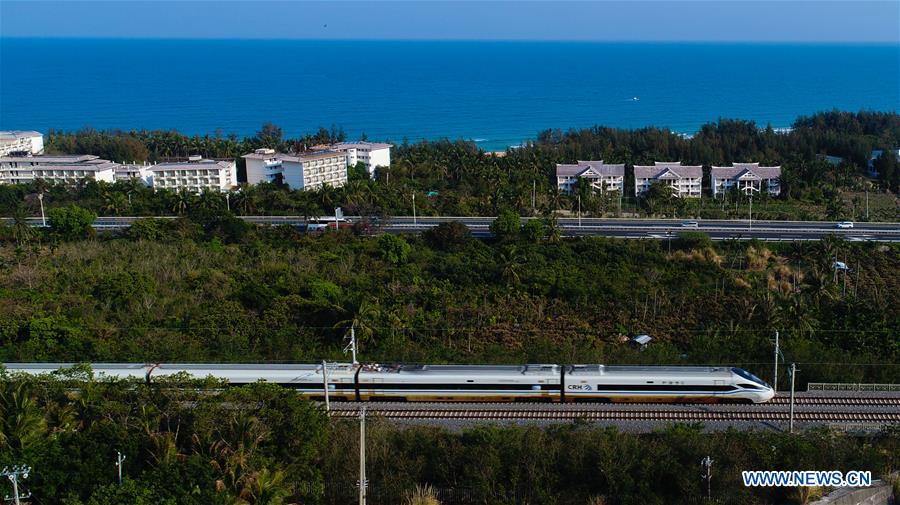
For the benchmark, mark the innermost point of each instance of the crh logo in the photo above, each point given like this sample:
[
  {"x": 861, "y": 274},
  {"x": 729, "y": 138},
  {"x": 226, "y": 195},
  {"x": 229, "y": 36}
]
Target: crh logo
[{"x": 579, "y": 387}]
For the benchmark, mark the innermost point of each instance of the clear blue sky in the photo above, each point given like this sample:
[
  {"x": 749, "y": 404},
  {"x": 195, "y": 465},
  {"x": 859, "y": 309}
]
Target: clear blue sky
[{"x": 661, "y": 20}]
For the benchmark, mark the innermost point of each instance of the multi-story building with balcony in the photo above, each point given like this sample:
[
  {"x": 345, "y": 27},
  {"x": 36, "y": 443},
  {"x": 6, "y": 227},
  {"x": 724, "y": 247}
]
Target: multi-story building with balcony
[
  {"x": 601, "y": 176},
  {"x": 298, "y": 171},
  {"x": 372, "y": 154},
  {"x": 749, "y": 178},
  {"x": 196, "y": 174},
  {"x": 129, "y": 171},
  {"x": 21, "y": 143},
  {"x": 65, "y": 169},
  {"x": 685, "y": 180}
]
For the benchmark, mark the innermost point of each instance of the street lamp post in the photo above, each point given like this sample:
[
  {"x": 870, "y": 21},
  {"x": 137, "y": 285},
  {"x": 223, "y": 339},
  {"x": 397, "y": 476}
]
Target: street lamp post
[
  {"x": 751, "y": 210},
  {"x": 579, "y": 211},
  {"x": 867, "y": 202},
  {"x": 228, "y": 202},
  {"x": 43, "y": 218},
  {"x": 415, "y": 223}
]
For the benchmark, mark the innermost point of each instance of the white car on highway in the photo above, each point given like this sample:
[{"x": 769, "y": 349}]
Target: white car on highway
[
  {"x": 690, "y": 224},
  {"x": 845, "y": 225}
]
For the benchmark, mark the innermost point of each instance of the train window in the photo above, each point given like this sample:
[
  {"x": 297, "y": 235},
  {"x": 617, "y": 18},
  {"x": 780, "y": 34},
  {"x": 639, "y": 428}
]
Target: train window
[{"x": 749, "y": 376}]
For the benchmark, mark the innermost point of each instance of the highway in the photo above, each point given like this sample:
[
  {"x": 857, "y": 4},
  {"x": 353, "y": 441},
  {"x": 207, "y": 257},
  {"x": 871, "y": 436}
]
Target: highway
[{"x": 658, "y": 229}]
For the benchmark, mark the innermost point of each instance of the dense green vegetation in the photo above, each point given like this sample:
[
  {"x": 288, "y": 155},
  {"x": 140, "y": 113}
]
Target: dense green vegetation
[
  {"x": 456, "y": 178},
  {"x": 215, "y": 288},
  {"x": 210, "y": 287},
  {"x": 262, "y": 444}
]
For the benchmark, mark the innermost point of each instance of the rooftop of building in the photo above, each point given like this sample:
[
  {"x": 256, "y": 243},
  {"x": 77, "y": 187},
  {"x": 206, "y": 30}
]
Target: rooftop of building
[
  {"x": 737, "y": 170},
  {"x": 96, "y": 166},
  {"x": 17, "y": 134},
  {"x": 668, "y": 169},
  {"x": 192, "y": 163},
  {"x": 269, "y": 154},
  {"x": 52, "y": 159},
  {"x": 362, "y": 144},
  {"x": 598, "y": 167}
]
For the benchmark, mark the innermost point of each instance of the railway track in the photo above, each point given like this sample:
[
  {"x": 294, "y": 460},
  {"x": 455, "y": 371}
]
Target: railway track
[
  {"x": 836, "y": 401},
  {"x": 808, "y": 409},
  {"x": 624, "y": 415}
]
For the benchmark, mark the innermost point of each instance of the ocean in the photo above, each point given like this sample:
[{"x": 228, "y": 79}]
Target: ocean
[{"x": 498, "y": 94}]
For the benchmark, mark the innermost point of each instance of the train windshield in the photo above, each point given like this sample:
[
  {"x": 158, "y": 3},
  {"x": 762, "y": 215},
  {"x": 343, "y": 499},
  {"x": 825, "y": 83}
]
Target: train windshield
[{"x": 749, "y": 376}]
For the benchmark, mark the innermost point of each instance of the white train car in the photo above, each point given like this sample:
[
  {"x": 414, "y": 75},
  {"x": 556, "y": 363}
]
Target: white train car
[
  {"x": 547, "y": 382},
  {"x": 676, "y": 384},
  {"x": 460, "y": 382}
]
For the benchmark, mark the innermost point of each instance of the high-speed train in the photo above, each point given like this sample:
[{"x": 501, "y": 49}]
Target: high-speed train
[{"x": 553, "y": 383}]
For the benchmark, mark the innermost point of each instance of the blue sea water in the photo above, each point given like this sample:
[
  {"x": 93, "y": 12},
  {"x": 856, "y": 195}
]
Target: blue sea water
[{"x": 497, "y": 93}]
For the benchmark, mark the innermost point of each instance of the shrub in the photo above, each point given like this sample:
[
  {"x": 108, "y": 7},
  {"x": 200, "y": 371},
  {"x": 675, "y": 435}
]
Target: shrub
[
  {"x": 72, "y": 222},
  {"x": 506, "y": 226},
  {"x": 148, "y": 229},
  {"x": 422, "y": 495},
  {"x": 533, "y": 230},
  {"x": 446, "y": 236},
  {"x": 393, "y": 249},
  {"x": 692, "y": 240}
]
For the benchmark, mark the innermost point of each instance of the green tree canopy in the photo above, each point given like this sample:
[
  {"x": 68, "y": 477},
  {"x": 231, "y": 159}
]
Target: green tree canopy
[{"x": 71, "y": 222}]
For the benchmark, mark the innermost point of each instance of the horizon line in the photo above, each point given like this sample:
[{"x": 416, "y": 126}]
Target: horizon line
[{"x": 498, "y": 40}]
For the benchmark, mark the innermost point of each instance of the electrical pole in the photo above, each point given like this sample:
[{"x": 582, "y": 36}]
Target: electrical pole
[
  {"x": 363, "y": 482},
  {"x": 751, "y": 210},
  {"x": 414, "y": 208},
  {"x": 43, "y": 218},
  {"x": 325, "y": 384},
  {"x": 533, "y": 195},
  {"x": 579, "y": 211},
  {"x": 351, "y": 346},
  {"x": 227, "y": 201},
  {"x": 867, "y": 202},
  {"x": 793, "y": 375},
  {"x": 120, "y": 458},
  {"x": 707, "y": 463},
  {"x": 775, "y": 375},
  {"x": 13, "y": 475}
]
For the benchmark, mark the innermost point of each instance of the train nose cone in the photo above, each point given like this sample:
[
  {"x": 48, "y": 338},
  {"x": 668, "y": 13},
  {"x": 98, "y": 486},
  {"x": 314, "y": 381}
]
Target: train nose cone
[{"x": 768, "y": 395}]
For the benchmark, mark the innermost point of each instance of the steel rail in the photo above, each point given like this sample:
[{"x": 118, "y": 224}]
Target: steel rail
[{"x": 621, "y": 415}]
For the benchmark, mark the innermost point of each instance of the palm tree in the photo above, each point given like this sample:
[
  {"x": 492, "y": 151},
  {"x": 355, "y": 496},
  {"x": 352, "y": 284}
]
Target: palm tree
[
  {"x": 554, "y": 231},
  {"x": 267, "y": 488},
  {"x": 210, "y": 200},
  {"x": 363, "y": 320},
  {"x": 244, "y": 201},
  {"x": 305, "y": 204},
  {"x": 115, "y": 203},
  {"x": 22, "y": 231},
  {"x": 181, "y": 201},
  {"x": 22, "y": 422},
  {"x": 511, "y": 261}
]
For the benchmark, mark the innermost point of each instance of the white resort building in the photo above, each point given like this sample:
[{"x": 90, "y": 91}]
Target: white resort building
[
  {"x": 140, "y": 171},
  {"x": 300, "y": 171},
  {"x": 372, "y": 154},
  {"x": 21, "y": 143},
  {"x": 601, "y": 176},
  {"x": 685, "y": 180},
  {"x": 746, "y": 177},
  {"x": 196, "y": 174},
  {"x": 63, "y": 169}
]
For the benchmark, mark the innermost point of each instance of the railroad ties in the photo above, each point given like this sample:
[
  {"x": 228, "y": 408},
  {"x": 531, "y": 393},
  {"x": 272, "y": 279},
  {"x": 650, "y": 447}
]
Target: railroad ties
[{"x": 837, "y": 411}]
